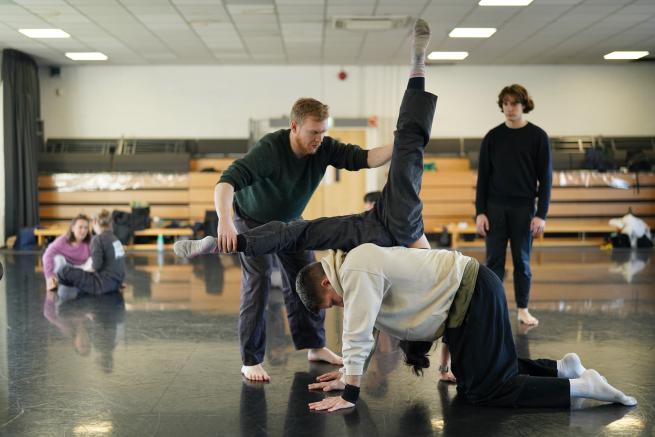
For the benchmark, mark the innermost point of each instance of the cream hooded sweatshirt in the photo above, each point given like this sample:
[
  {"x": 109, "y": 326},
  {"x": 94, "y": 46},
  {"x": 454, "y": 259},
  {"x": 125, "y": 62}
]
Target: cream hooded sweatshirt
[{"x": 404, "y": 292}]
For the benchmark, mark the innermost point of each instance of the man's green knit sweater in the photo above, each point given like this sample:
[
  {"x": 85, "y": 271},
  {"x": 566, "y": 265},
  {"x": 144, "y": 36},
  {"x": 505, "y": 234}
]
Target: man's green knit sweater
[{"x": 271, "y": 183}]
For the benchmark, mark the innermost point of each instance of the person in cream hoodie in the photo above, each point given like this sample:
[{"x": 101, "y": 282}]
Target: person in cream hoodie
[{"x": 418, "y": 295}]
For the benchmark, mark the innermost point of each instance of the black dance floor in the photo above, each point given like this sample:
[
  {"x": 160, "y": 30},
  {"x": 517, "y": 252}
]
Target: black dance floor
[{"x": 162, "y": 358}]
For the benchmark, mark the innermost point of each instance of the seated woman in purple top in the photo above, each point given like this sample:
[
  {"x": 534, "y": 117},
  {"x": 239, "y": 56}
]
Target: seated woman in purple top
[{"x": 71, "y": 248}]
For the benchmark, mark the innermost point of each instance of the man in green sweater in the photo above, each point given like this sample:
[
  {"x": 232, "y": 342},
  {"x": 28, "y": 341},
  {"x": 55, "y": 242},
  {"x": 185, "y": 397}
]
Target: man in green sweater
[{"x": 274, "y": 182}]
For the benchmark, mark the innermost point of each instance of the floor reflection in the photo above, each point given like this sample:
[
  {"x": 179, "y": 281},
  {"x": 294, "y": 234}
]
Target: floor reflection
[{"x": 162, "y": 358}]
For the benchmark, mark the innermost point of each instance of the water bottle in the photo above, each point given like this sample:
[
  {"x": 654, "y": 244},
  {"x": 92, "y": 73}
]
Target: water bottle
[{"x": 160, "y": 243}]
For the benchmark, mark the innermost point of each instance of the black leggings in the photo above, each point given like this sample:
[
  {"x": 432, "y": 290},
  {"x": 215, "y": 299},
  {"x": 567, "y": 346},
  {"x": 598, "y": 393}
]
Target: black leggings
[{"x": 484, "y": 358}]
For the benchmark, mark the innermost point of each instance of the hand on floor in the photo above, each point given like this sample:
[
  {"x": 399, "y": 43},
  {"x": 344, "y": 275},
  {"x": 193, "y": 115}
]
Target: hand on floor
[
  {"x": 335, "y": 384},
  {"x": 330, "y": 404}
]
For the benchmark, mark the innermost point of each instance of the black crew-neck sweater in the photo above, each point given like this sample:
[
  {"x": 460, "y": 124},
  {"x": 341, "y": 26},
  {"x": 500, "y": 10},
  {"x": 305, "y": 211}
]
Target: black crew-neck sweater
[{"x": 514, "y": 168}]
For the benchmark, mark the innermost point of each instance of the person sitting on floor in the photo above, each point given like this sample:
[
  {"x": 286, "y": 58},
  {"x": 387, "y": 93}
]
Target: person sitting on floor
[
  {"x": 71, "y": 248},
  {"x": 107, "y": 267}
]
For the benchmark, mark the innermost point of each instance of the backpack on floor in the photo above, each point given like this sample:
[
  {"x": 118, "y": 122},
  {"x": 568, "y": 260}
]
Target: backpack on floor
[
  {"x": 140, "y": 218},
  {"x": 25, "y": 239},
  {"x": 122, "y": 225},
  {"x": 644, "y": 242},
  {"x": 619, "y": 240}
]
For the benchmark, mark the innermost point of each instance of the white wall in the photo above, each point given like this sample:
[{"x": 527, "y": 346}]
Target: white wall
[{"x": 218, "y": 101}]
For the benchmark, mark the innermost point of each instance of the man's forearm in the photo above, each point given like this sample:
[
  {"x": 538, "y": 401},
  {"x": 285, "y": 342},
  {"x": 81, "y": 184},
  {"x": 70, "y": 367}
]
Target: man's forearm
[
  {"x": 223, "y": 198},
  {"x": 379, "y": 156}
]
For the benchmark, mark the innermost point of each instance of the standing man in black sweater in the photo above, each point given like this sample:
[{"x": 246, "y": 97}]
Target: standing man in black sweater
[{"x": 514, "y": 169}]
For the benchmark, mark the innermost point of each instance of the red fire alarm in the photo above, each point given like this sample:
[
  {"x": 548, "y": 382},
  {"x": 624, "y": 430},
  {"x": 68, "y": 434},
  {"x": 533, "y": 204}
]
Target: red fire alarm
[{"x": 342, "y": 75}]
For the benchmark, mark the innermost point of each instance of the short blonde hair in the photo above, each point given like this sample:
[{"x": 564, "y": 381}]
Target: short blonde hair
[
  {"x": 103, "y": 218},
  {"x": 308, "y": 107}
]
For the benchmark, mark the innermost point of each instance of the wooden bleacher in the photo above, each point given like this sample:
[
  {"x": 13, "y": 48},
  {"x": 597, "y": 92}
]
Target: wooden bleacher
[
  {"x": 201, "y": 185},
  {"x": 582, "y": 201},
  {"x": 62, "y": 197},
  {"x": 57, "y": 230}
]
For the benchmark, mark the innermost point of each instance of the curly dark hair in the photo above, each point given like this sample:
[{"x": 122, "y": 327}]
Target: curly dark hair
[
  {"x": 416, "y": 354},
  {"x": 520, "y": 94}
]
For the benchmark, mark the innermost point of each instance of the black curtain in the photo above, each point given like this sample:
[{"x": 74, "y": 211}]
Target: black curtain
[{"x": 22, "y": 113}]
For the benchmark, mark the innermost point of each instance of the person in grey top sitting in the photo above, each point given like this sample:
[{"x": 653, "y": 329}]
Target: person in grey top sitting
[{"x": 107, "y": 267}]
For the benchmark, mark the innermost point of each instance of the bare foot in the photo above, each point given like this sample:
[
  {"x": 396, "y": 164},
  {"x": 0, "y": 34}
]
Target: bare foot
[
  {"x": 447, "y": 377},
  {"x": 527, "y": 318},
  {"x": 523, "y": 329},
  {"x": 255, "y": 373},
  {"x": 324, "y": 354}
]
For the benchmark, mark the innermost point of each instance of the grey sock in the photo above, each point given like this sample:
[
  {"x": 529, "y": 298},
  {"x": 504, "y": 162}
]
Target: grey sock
[
  {"x": 420, "y": 41},
  {"x": 66, "y": 292},
  {"x": 193, "y": 248}
]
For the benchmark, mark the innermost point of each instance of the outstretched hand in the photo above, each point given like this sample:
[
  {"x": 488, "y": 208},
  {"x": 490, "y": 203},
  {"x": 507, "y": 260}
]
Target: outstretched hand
[
  {"x": 328, "y": 382},
  {"x": 329, "y": 376},
  {"x": 330, "y": 404}
]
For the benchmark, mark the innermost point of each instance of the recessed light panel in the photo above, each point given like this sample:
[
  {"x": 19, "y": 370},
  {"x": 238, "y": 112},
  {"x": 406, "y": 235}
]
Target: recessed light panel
[
  {"x": 447, "y": 56},
  {"x": 86, "y": 56},
  {"x": 44, "y": 33},
  {"x": 617, "y": 56},
  {"x": 504, "y": 2},
  {"x": 472, "y": 32}
]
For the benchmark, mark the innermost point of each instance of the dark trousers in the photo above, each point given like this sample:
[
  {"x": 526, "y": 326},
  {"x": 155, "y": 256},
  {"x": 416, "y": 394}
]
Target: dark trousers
[
  {"x": 87, "y": 282},
  {"x": 307, "y": 329},
  {"x": 396, "y": 219},
  {"x": 484, "y": 359},
  {"x": 513, "y": 224}
]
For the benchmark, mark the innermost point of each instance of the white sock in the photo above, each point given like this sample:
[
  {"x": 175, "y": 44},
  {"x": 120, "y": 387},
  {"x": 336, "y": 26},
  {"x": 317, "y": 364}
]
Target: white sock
[
  {"x": 593, "y": 386},
  {"x": 420, "y": 41},
  {"x": 570, "y": 366}
]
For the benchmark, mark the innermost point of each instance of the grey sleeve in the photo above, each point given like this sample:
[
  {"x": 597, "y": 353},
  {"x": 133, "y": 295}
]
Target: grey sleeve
[{"x": 97, "y": 254}]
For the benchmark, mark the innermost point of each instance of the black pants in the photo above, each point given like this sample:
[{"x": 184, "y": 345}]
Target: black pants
[
  {"x": 396, "y": 219},
  {"x": 484, "y": 359},
  {"x": 307, "y": 329},
  {"x": 513, "y": 224},
  {"x": 87, "y": 282}
]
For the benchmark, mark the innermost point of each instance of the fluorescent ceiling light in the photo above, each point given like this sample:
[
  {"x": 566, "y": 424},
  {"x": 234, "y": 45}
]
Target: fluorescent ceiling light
[
  {"x": 44, "y": 33},
  {"x": 625, "y": 55},
  {"x": 449, "y": 56},
  {"x": 86, "y": 56},
  {"x": 504, "y": 2},
  {"x": 365, "y": 23},
  {"x": 472, "y": 32}
]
